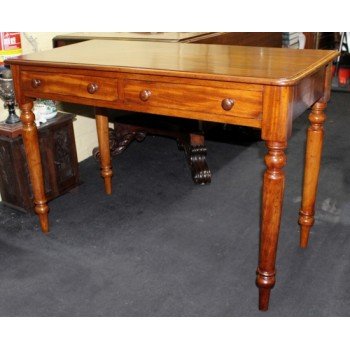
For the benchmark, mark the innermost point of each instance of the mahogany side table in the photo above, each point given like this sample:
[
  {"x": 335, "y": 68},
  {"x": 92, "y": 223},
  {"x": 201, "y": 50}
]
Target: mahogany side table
[{"x": 265, "y": 88}]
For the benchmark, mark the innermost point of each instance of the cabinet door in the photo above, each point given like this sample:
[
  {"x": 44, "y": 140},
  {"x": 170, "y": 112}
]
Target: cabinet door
[
  {"x": 59, "y": 160},
  {"x": 14, "y": 186},
  {"x": 64, "y": 156}
]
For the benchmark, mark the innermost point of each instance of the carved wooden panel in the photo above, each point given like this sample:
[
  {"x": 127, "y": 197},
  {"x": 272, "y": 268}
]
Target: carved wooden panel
[{"x": 58, "y": 152}]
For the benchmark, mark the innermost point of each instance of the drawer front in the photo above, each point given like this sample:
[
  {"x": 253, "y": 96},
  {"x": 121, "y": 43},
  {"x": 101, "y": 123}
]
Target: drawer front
[
  {"x": 70, "y": 85},
  {"x": 230, "y": 102}
]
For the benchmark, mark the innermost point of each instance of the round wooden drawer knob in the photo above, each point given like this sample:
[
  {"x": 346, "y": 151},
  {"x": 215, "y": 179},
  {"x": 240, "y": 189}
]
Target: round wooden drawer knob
[
  {"x": 227, "y": 104},
  {"x": 92, "y": 88},
  {"x": 36, "y": 83},
  {"x": 145, "y": 95}
]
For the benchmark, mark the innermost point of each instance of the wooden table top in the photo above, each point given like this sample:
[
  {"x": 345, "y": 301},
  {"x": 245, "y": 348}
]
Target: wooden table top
[{"x": 273, "y": 66}]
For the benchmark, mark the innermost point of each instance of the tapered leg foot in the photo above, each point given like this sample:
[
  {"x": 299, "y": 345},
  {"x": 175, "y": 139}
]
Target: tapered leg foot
[
  {"x": 313, "y": 154},
  {"x": 265, "y": 281},
  {"x": 108, "y": 182},
  {"x": 304, "y": 233},
  {"x": 42, "y": 210},
  {"x": 264, "y": 298},
  {"x": 44, "y": 223}
]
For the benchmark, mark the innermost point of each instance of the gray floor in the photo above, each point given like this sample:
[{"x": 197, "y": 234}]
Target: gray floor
[{"x": 162, "y": 246}]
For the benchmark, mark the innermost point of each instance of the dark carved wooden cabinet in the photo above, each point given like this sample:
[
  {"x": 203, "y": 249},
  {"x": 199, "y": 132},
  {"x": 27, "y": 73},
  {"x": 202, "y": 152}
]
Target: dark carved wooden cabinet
[{"x": 59, "y": 157}]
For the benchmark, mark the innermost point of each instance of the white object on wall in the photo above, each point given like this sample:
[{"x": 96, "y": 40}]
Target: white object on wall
[{"x": 302, "y": 41}]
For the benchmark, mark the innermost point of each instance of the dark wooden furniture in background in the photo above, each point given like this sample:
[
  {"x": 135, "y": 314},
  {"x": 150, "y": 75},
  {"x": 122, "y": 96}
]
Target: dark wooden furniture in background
[
  {"x": 267, "y": 39},
  {"x": 264, "y": 39},
  {"x": 322, "y": 40},
  {"x": 59, "y": 158},
  {"x": 73, "y": 38},
  {"x": 189, "y": 134},
  {"x": 203, "y": 82}
]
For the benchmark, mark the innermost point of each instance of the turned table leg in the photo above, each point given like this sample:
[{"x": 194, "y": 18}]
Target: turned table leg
[
  {"x": 311, "y": 171},
  {"x": 32, "y": 150},
  {"x": 104, "y": 151},
  {"x": 273, "y": 189}
]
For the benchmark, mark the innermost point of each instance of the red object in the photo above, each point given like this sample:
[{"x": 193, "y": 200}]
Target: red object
[
  {"x": 10, "y": 45},
  {"x": 10, "y": 40},
  {"x": 343, "y": 75}
]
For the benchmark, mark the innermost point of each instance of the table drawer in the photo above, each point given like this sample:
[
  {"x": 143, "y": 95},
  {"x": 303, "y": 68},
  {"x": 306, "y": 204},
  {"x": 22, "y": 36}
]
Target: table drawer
[
  {"x": 98, "y": 88},
  {"x": 234, "y": 102}
]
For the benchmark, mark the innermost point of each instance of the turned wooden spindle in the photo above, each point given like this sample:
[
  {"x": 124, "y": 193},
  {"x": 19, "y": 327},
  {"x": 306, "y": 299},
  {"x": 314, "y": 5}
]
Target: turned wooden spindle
[
  {"x": 31, "y": 145},
  {"x": 311, "y": 171},
  {"x": 104, "y": 150},
  {"x": 273, "y": 189}
]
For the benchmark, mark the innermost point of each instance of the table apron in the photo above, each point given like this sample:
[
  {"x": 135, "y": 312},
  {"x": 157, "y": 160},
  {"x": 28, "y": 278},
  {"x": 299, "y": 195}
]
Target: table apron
[{"x": 229, "y": 103}]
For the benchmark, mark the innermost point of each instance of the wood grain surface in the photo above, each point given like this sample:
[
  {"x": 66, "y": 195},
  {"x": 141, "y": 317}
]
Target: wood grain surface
[{"x": 275, "y": 66}]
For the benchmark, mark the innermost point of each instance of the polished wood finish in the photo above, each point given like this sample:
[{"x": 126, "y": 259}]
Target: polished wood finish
[
  {"x": 103, "y": 142},
  {"x": 31, "y": 146},
  {"x": 274, "y": 67},
  {"x": 273, "y": 189},
  {"x": 196, "y": 98},
  {"x": 72, "y": 85},
  {"x": 265, "y": 84},
  {"x": 312, "y": 168},
  {"x": 59, "y": 157},
  {"x": 308, "y": 91},
  {"x": 313, "y": 154},
  {"x": 195, "y": 154},
  {"x": 121, "y": 137}
]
